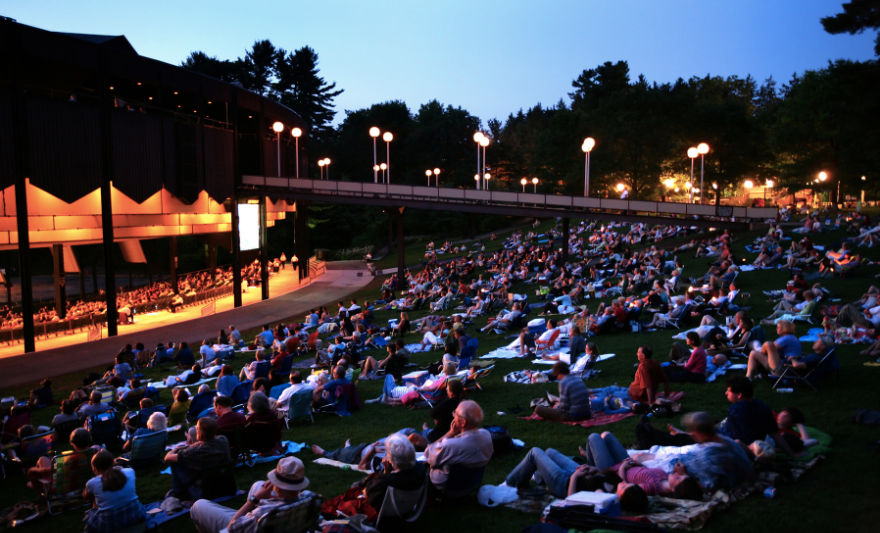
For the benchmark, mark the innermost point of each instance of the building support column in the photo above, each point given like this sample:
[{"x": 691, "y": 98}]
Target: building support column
[
  {"x": 105, "y": 105},
  {"x": 401, "y": 260},
  {"x": 212, "y": 261},
  {"x": 236, "y": 255},
  {"x": 565, "y": 230},
  {"x": 22, "y": 169},
  {"x": 172, "y": 253},
  {"x": 264, "y": 251},
  {"x": 58, "y": 277},
  {"x": 302, "y": 238}
]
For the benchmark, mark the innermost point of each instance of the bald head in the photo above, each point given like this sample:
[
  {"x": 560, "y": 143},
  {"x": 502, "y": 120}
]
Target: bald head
[{"x": 471, "y": 413}]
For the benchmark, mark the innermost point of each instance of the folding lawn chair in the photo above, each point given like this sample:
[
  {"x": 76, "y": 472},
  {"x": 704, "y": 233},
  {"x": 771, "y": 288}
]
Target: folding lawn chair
[
  {"x": 146, "y": 450},
  {"x": 407, "y": 505},
  {"x": 823, "y": 368},
  {"x": 71, "y": 472}
]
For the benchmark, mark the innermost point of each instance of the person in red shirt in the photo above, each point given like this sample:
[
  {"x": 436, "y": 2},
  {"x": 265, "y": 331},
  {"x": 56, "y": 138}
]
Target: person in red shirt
[
  {"x": 619, "y": 312},
  {"x": 694, "y": 370},
  {"x": 227, "y": 419},
  {"x": 649, "y": 376}
]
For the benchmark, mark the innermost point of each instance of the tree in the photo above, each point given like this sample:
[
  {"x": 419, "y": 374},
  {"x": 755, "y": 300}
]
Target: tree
[
  {"x": 857, "y": 16},
  {"x": 211, "y": 66}
]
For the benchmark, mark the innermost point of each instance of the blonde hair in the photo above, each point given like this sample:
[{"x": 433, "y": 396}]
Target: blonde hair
[{"x": 786, "y": 327}]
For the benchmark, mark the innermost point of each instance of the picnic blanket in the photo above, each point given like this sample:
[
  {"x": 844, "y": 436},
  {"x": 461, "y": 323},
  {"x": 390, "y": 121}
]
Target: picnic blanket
[
  {"x": 196, "y": 384},
  {"x": 288, "y": 447},
  {"x": 340, "y": 464},
  {"x": 812, "y": 335},
  {"x": 603, "y": 419},
  {"x": 156, "y": 519}
]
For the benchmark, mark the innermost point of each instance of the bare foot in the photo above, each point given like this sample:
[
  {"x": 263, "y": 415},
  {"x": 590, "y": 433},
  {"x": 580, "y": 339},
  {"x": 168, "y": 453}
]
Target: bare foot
[
  {"x": 672, "y": 430},
  {"x": 347, "y": 443},
  {"x": 424, "y": 426},
  {"x": 317, "y": 450},
  {"x": 582, "y": 451}
]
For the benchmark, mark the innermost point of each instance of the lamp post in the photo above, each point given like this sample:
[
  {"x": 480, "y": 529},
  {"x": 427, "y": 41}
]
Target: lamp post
[
  {"x": 748, "y": 184},
  {"x": 620, "y": 188},
  {"x": 587, "y": 147},
  {"x": 823, "y": 176},
  {"x": 321, "y": 167},
  {"x": 477, "y": 138},
  {"x": 477, "y": 180},
  {"x": 523, "y": 183},
  {"x": 436, "y": 178},
  {"x": 374, "y": 132},
  {"x": 692, "y": 153},
  {"x": 767, "y": 185},
  {"x": 484, "y": 142},
  {"x": 535, "y": 183},
  {"x": 862, "y": 200},
  {"x": 327, "y": 164},
  {"x": 669, "y": 183},
  {"x": 703, "y": 148},
  {"x": 297, "y": 133},
  {"x": 383, "y": 166},
  {"x": 387, "y": 137},
  {"x": 487, "y": 177},
  {"x": 428, "y": 173},
  {"x": 278, "y": 128}
]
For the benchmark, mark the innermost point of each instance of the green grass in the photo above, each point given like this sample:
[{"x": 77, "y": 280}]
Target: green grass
[{"x": 834, "y": 496}]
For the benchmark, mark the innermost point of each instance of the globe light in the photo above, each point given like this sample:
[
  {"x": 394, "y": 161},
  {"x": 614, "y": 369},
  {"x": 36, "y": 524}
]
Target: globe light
[
  {"x": 620, "y": 187},
  {"x": 676, "y": 189},
  {"x": 669, "y": 183},
  {"x": 588, "y": 145},
  {"x": 387, "y": 137},
  {"x": 278, "y": 127},
  {"x": 476, "y": 177},
  {"x": 535, "y": 181},
  {"x": 748, "y": 184},
  {"x": 321, "y": 163},
  {"x": 523, "y": 181},
  {"x": 484, "y": 142},
  {"x": 326, "y": 160},
  {"x": 436, "y": 171},
  {"x": 296, "y": 132},
  {"x": 715, "y": 185},
  {"x": 376, "y": 168},
  {"x": 693, "y": 152},
  {"x": 823, "y": 176},
  {"x": 428, "y": 173},
  {"x": 703, "y": 148},
  {"x": 478, "y": 136},
  {"x": 487, "y": 176},
  {"x": 383, "y": 166},
  {"x": 374, "y": 132},
  {"x": 769, "y": 183}
]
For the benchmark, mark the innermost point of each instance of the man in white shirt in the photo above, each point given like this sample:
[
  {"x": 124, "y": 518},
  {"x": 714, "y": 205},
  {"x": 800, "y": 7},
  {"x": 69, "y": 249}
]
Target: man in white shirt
[
  {"x": 296, "y": 384},
  {"x": 234, "y": 336},
  {"x": 207, "y": 352}
]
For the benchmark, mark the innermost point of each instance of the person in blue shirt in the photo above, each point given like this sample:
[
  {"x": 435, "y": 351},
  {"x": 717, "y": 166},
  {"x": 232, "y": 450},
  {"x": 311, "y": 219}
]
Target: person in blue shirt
[
  {"x": 265, "y": 337},
  {"x": 185, "y": 358},
  {"x": 326, "y": 394},
  {"x": 773, "y": 355},
  {"x": 748, "y": 419}
]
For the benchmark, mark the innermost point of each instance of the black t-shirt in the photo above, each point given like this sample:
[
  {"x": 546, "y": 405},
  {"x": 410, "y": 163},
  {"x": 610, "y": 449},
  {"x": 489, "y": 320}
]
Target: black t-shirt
[{"x": 442, "y": 413}]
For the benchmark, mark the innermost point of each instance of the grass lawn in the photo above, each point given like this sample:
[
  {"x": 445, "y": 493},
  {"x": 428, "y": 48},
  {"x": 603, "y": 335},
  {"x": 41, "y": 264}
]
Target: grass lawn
[{"x": 835, "y": 496}]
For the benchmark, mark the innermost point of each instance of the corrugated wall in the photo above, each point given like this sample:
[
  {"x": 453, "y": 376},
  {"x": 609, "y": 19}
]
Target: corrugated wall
[{"x": 138, "y": 154}]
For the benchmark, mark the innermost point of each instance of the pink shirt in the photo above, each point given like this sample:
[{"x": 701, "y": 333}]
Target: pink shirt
[{"x": 697, "y": 361}]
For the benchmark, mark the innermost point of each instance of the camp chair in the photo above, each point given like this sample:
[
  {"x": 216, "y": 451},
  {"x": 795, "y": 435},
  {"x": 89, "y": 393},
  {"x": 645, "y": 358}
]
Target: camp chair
[
  {"x": 347, "y": 399},
  {"x": 300, "y": 406},
  {"x": 263, "y": 437},
  {"x": 824, "y": 367},
  {"x": 462, "y": 481},
  {"x": 64, "y": 429},
  {"x": 468, "y": 353},
  {"x": 238, "y": 447},
  {"x": 680, "y": 320},
  {"x": 105, "y": 429},
  {"x": 146, "y": 449},
  {"x": 312, "y": 340},
  {"x": 10, "y": 428},
  {"x": 407, "y": 505},
  {"x": 442, "y": 304},
  {"x": 438, "y": 394},
  {"x": 262, "y": 369},
  {"x": 813, "y": 318},
  {"x": 541, "y": 347},
  {"x": 284, "y": 368},
  {"x": 34, "y": 447},
  {"x": 200, "y": 402},
  {"x": 71, "y": 472},
  {"x": 144, "y": 414},
  {"x": 843, "y": 270},
  {"x": 298, "y": 517},
  {"x": 275, "y": 392},
  {"x": 133, "y": 398},
  {"x": 106, "y": 396},
  {"x": 242, "y": 392},
  {"x": 218, "y": 481}
]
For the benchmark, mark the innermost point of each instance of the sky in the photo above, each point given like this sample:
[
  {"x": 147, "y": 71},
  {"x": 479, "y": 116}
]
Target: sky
[{"x": 489, "y": 57}]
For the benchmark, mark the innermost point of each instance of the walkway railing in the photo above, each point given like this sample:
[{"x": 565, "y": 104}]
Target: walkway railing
[{"x": 507, "y": 198}]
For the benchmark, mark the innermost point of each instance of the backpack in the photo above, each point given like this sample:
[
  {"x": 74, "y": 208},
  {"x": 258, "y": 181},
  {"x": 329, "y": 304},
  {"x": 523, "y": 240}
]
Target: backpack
[{"x": 502, "y": 443}]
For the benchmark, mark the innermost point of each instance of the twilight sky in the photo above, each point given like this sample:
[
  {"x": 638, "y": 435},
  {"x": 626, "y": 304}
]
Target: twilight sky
[{"x": 491, "y": 57}]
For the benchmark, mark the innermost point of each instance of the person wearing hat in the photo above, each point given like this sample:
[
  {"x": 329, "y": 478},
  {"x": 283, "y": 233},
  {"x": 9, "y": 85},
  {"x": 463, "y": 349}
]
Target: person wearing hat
[{"x": 286, "y": 485}]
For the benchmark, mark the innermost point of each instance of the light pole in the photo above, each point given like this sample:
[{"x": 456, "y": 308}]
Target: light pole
[
  {"x": 383, "y": 166},
  {"x": 767, "y": 185},
  {"x": 535, "y": 183},
  {"x": 297, "y": 133},
  {"x": 374, "y": 132},
  {"x": 487, "y": 177},
  {"x": 620, "y": 188},
  {"x": 484, "y": 142},
  {"x": 321, "y": 164},
  {"x": 823, "y": 176},
  {"x": 477, "y": 179},
  {"x": 523, "y": 183},
  {"x": 387, "y": 137},
  {"x": 587, "y": 147},
  {"x": 278, "y": 128},
  {"x": 477, "y": 138},
  {"x": 703, "y": 148},
  {"x": 327, "y": 164},
  {"x": 748, "y": 184},
  {"x": 436, "y": 177},
  {"x": 428, "y": 173},
  {"x": 692, "y": 153},
  {"x": 862, "y": 201}
]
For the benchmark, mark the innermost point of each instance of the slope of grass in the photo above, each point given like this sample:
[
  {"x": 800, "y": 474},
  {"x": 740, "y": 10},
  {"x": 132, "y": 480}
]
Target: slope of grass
[{"x": 836, "y": 495}]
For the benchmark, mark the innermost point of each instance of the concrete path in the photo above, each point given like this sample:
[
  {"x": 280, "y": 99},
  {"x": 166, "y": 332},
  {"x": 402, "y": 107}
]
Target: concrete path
[{"x": 340, "y": 280}]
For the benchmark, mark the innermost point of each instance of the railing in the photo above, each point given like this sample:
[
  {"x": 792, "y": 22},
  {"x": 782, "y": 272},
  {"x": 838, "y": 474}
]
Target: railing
[{"x": 438, "y": 194}]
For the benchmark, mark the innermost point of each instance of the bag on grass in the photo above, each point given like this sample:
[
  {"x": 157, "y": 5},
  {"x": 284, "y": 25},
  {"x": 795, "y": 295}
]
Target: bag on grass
[{"x": 502, "y": 443}]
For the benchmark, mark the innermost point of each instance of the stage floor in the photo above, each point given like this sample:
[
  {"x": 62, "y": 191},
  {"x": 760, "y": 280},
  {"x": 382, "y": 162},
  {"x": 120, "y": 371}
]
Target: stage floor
[{"x": 69, "y": 353}]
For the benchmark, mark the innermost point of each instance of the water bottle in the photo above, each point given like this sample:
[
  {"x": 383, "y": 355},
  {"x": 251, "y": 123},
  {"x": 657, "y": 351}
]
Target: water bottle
[
  {"x": 770, "y": 493},
  {"x": 785, "y": 391}
]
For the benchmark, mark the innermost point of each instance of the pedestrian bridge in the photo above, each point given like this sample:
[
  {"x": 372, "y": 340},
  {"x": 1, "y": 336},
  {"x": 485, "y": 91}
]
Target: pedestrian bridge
[{"x": 510, "y": 203}]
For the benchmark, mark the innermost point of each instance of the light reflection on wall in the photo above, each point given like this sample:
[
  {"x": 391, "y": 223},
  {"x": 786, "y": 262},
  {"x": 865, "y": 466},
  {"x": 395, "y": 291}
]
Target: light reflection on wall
[{"x": 249, "y": 226}]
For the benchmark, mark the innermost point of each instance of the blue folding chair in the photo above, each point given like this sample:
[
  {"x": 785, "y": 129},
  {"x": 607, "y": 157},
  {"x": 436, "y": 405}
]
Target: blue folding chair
[
  {"x": 468, "y": 353},
  {"x": 276, "y": 391},
  {"x": 242, "y": 392},
  {"x": 200, "y": 402}
]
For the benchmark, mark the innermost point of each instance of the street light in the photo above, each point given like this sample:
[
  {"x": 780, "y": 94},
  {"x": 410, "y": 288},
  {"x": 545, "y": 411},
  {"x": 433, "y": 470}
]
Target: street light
[
  {"x": 767, "y": 185},
  {"x": 327, "y": 164},
  {"x": 297, "y": 133},
  {"x": 523, "y": 183},
  {"x": 383, "y": 166},
  {"x": 703, "y": 148},
  {"x": 484, "y": 142},
  {"x": 823, "y": 176},
  {"x": 428, "y": 173},
  {"x": 387, "y": 137},
  {"x": 436, "y": 177},
  {"x": 535, "y": 183},
  {"x": 374, "y": 132},
  {"x": 321, "y": 164},
  {"x": 477, "y": 138},
  {"x": 477, "y": 178},
  {"x": 692, "y": 153},
  {"x": 278, "y": 128},
  {"x": 487, "y": 177},
  {"x": 587, "y": 147}
]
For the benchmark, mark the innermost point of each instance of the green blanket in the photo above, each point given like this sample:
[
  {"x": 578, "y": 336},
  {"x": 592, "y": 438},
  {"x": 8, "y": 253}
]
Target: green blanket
[{"x": 823, "y": 448}]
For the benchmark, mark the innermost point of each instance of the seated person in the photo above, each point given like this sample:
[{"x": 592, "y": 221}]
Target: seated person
[
  {"x": 465, "y": 444},
  {"x": 177, "y": 413},
  {"x": 187, "y": 377},
  {"x": 442, "y": 413},
  {"x": 115, "y": 504},
  {"x": 694, "y": 370},
  {"x": 550, "y": 333},
  {"x": 574, "y": 398},
  {"x": 162, "y": 354},
  {"x": 80, "y": 439},
  {"x": 788, "y": 419},
  {"x": 773, "y": 355},
  {"x": 94, "y": 406},
  {"x": 526, "y": 342},
  {"x": 207, "y": 354},
  {"x": 296, "y": 385},
  {"x": 249, "y": 371},
  {"x": 156, "y": 422},
  {"x": 804, "y": 309},
  {"x": 391, "y": 364},
  {"x": 286, "y": 484},
  {"x": 227, "y": 381},
  {"x": 504, "y": 318},
  {"x": 184, "y": 358},
  {"x": 325, "y": 393},
  {"x": 187, "y": 463},
  {"x": 649, "y": 376},
  {"x": 42, "y": 396},
  {"x": 363, "y": 454},
  {"x": 227, "y": 418},
  {"x": 68, "y": 413}
]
